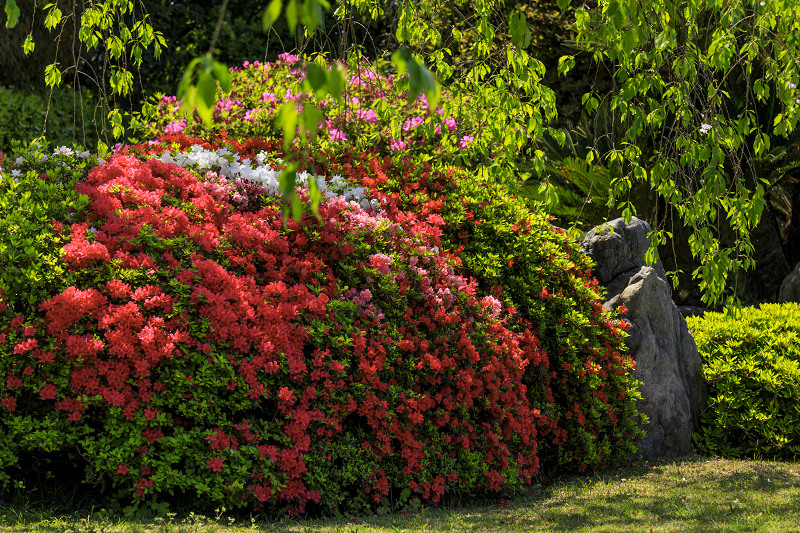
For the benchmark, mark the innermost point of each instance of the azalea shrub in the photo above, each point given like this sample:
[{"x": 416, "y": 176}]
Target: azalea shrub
[
  {"x": 751, "y": 362},
  {"x": 373, "y": 114},
  {"x": 421, "y": 334},
  {"x": 515, "y": 255},
  {"x": 206, "y": 348}
]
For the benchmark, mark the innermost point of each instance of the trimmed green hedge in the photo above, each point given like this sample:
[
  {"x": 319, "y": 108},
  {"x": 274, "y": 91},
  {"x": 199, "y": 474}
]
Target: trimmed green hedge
[
  {"x": 22, "y": 115},
  {"x": 751, "y": 362}
]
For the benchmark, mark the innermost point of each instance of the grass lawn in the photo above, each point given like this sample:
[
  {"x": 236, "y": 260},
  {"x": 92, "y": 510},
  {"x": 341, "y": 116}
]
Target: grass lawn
[{"x": 695, "y": 494}]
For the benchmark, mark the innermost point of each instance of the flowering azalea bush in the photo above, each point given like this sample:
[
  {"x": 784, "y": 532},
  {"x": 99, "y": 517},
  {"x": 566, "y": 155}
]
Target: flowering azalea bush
[
  {"x": 373, "y": 114},
  {"x": 422, "y": 334},
  {"x": 539, "y": 273},
  {"x": 206, "y": 348}
]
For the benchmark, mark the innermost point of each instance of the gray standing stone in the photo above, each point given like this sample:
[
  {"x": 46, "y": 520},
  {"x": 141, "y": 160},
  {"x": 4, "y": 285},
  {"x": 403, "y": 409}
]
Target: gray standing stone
[
  {"x": 790, "y": 287},
  {"x": 673, "y": 391}
]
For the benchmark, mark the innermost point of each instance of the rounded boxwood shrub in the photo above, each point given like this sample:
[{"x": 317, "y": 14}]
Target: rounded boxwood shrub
[
  {"x": 206, "y": 348},
  {"x": 751, "y": 362}
]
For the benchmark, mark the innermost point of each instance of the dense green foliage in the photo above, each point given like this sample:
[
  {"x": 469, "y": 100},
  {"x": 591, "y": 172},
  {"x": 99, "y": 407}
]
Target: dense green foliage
[
  {"x": 708, "y": 103},
  {"x": 751, "y": 362},
  {"x": 22, "y": 117},
  {"x": 36, "y": 195}
]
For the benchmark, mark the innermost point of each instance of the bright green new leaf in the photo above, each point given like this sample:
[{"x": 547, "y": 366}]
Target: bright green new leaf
[
  {"x": 115, "y": 118},
  {"x": 287, "y": 121},
  {"x": 291, "y": 15},
  {"x": 565, "y": 64},
  {"x": 12, "y": 13},
  {"x": 52, "y": 75},
  {"x": 206, "y": 91},
  {"x": 28, "y": 45},
  {"x": 53, "y": 18},
  {"x": 271, "y": 14},
  {"x": 548, "y": 194}
]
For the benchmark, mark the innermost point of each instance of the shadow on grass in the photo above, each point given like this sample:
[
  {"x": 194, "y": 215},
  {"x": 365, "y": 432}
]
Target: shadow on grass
[{"x": 691, "y": 494}]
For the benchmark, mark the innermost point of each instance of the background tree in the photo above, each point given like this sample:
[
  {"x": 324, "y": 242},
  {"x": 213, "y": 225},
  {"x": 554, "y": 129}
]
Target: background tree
[{"x": 708, "y": 92}]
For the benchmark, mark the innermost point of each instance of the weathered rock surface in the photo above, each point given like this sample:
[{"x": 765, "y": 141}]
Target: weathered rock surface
[
  {"x": 673, "y": 390},
  {"x": 790, "y": 287}
]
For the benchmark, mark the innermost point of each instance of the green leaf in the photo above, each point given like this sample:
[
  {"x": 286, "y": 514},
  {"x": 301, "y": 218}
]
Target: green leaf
[
  {"x": 186, "y": 79},
  {"x": 520, "y": 29},
  {"x": 565, "y": 64},
  {"x": 28, "y": 45},
  {"x": 614, "y": 13},
  {"x": 317, "y": 78},
  {"x": 291, "y": 15},
  {"x": 336, "y": 80},
  {"x": 287, "y": 121},
  {"x": 420, "y": 80},
  {"x": 53, "y": 18},
  {"x": 311, "y": 14},
  {"x": 206, "y": 91},
  {"x": 315, "y": 195},
  {"x": 631, "y": 39},
  {"x": 310, "y": 117},
  {"x": 562, "y": 4},
  {"x": 223, "y": 75},
  {"x": 12, "y": 13},
  {"x": 663, "y": 40},
  {"x": 115, "y": 118},
  {"x": 52, "y": 75},
  {"x": 287, "y": 182},
  {"x": 271, "y": 14}
]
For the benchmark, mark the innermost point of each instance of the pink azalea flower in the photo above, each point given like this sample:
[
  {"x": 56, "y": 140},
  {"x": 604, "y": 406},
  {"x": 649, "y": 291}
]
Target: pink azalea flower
[
  {"x": 367, "y": 115},
  {"x": 176, "y": 127},
  {"x": 337, "y": 135},
  {"x": 398, "y": 145},
  {"x": 412, "y": 123}
]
